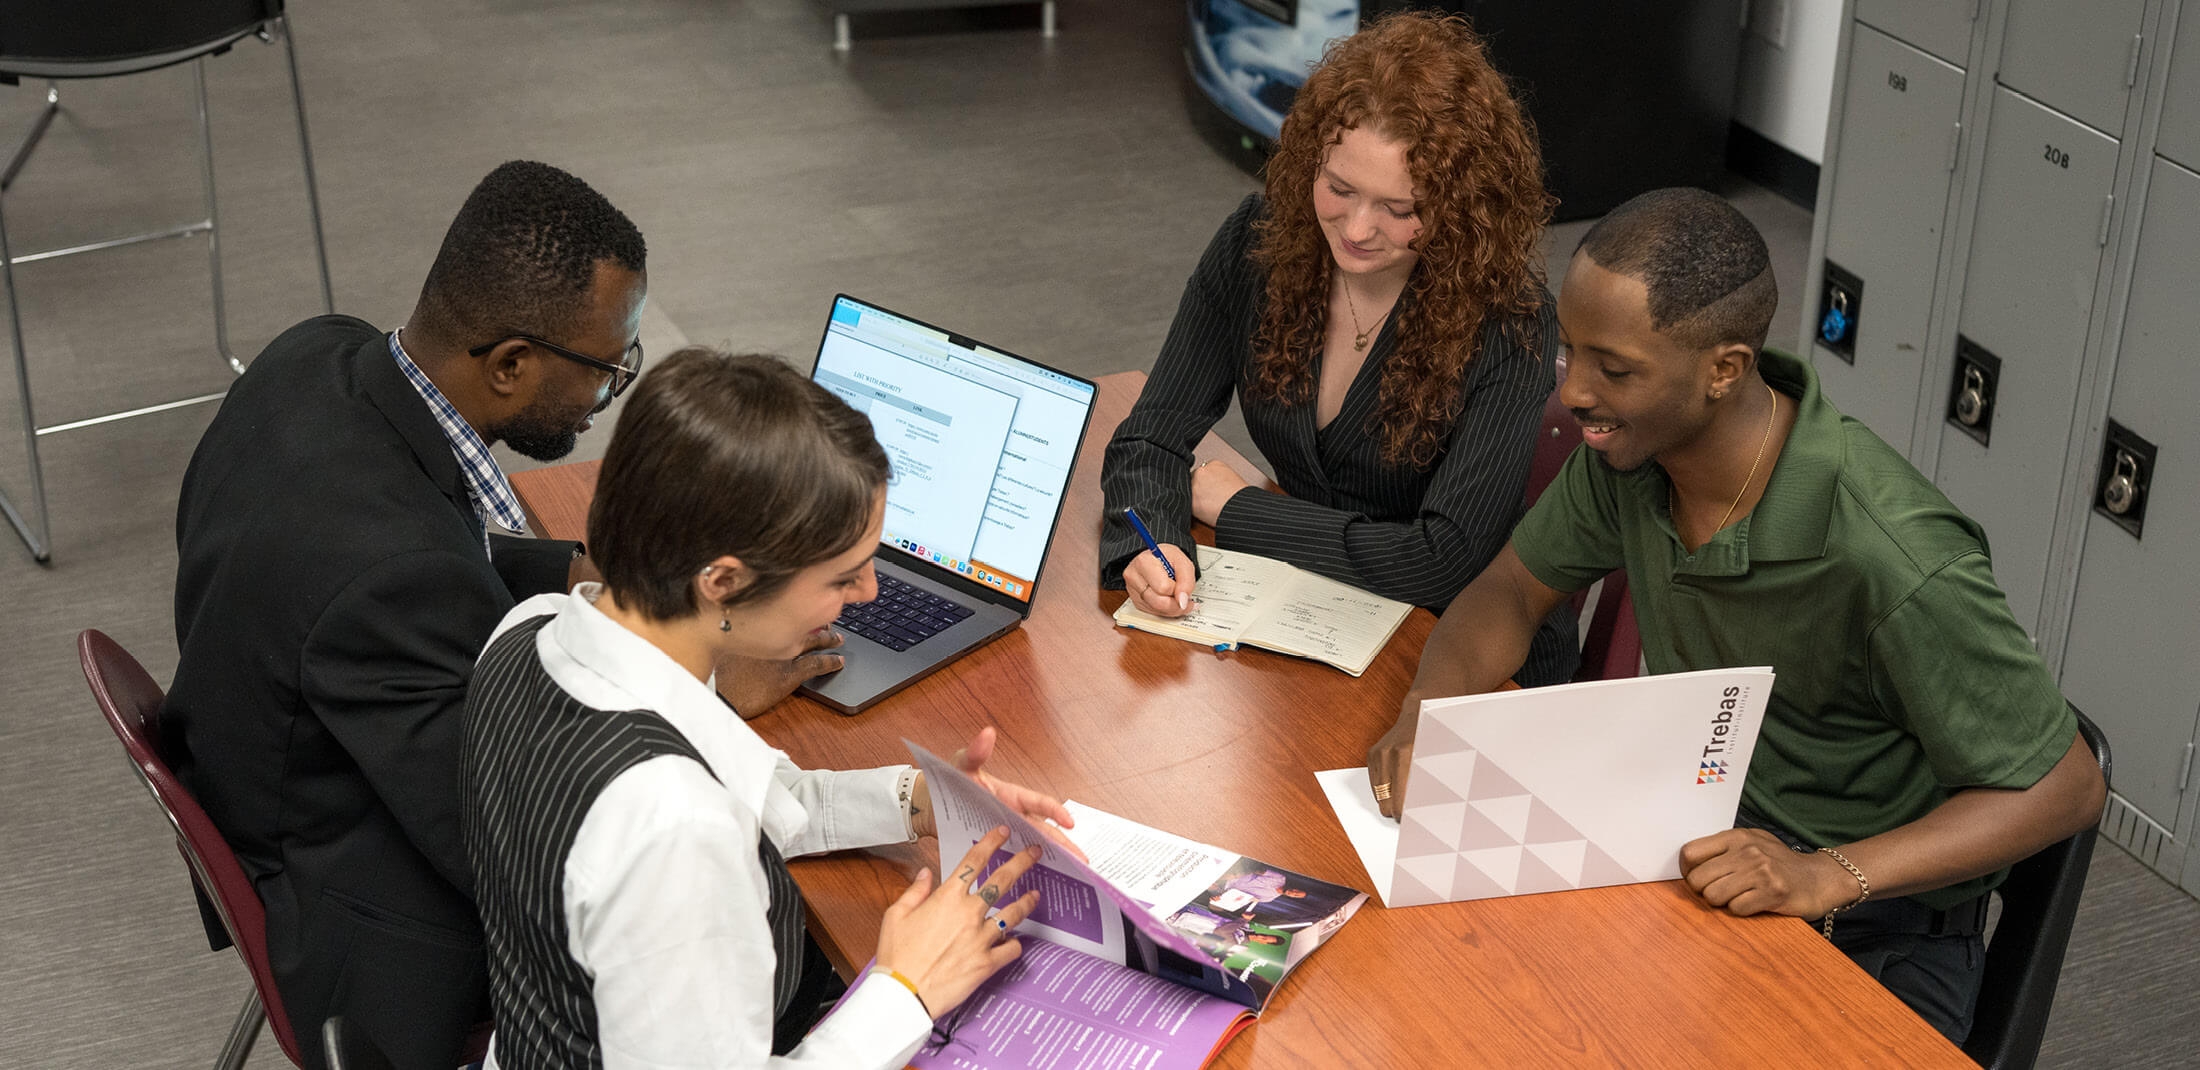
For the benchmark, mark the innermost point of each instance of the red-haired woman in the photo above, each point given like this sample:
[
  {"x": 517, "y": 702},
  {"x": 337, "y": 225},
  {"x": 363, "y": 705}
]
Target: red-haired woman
[{"x": 1379, "y": 310}]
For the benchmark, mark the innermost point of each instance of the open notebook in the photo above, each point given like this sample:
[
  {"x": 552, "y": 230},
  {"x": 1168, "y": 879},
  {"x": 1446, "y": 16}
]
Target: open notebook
[{"x": 1245, "y": 599}]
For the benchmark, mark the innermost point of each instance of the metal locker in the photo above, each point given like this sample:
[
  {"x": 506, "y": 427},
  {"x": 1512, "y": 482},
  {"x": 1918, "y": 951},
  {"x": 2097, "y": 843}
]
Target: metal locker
[
  {"x": 1890, "y": 181},
  {"x": 2079, "y": 59},
  {"x": 2180, "y": 136},
  {"x": 2035, "y": 258},
  {"x": 2129, "y": 661},
  {"x": 1941, "y": 27}
]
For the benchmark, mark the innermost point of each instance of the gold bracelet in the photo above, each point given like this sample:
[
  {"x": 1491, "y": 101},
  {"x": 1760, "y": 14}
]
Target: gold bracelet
[
  {"x": 1864, "y": 888},
  {"x": 905, "y": 983}
]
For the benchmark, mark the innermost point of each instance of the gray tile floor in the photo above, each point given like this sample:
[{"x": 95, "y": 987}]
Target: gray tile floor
[{"x": 1047, "y": 196}]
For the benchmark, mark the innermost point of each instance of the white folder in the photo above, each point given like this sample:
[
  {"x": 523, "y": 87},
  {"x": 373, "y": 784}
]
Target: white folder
[{"x": 1553, "y": 788}]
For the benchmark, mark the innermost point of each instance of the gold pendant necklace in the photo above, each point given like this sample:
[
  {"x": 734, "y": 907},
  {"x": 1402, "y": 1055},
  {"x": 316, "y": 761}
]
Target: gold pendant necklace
[
  {"x": 1746, "y": 481},
  {"x": 1359, "y": 337}
]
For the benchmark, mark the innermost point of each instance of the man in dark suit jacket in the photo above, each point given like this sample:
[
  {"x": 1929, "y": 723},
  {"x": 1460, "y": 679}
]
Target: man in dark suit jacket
[{"x": 340, "y": 567}]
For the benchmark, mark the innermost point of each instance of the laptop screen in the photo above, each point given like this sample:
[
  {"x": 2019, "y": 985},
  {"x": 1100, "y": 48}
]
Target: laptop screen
[{"x": 982, "y": 441}]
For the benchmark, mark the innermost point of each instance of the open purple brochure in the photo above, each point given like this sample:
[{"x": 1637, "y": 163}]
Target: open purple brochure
[{"x": 1152, "y": 955}]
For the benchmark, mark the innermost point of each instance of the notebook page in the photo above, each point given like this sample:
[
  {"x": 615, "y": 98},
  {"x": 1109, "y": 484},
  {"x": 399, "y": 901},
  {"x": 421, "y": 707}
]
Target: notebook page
[
  {"x": 1233, "y": 590},
  {"x": 1328, "y": 621}
]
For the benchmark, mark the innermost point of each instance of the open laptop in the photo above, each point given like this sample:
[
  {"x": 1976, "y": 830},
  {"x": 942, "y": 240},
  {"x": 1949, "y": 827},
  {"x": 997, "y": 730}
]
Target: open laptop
[{"x": 982, "y": 442}]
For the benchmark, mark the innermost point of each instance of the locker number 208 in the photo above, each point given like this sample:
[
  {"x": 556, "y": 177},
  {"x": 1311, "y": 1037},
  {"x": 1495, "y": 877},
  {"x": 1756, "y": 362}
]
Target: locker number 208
[{"x": 2057, "y": 157}]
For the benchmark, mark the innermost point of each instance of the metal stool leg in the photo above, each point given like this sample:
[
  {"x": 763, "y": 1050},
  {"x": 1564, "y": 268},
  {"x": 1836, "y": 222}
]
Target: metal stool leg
[
  {"x": 1046, "y": 18},
  {"x": 39, "y": 536},
  {"x": 243, "y": 1033},
  {"x": 213, "y": 219},
  {"x": 40, "y": 539},
  {"x": 305, "y": 151},
  {"x": 30, "y": 141}
]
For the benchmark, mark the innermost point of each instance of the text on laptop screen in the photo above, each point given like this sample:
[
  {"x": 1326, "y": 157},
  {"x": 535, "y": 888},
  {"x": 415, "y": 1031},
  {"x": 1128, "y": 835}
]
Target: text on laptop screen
[{"x": 981, "y": 441}]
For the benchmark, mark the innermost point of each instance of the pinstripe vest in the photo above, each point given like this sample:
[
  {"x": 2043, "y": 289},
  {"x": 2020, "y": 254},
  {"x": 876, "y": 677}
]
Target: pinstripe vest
[{"x": 535, "y": 759}]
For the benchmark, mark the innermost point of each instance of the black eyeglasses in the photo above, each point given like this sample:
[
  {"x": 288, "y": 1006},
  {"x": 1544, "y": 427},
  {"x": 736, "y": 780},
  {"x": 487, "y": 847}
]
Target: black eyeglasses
[{"x": 622, "y": 373}]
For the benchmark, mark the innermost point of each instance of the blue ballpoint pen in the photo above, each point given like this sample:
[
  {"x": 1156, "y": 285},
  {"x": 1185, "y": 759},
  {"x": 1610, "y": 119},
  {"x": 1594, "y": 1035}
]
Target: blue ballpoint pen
[{"x": 1139, "y": 526}]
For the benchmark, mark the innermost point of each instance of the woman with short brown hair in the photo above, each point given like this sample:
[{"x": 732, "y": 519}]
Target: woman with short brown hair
[{"x": 626, "y": 827}]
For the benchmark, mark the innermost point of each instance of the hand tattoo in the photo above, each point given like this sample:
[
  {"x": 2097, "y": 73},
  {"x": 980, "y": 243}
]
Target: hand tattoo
[
  {"x": 965, "y": 873},
  {"x": 989, "y": 893}
]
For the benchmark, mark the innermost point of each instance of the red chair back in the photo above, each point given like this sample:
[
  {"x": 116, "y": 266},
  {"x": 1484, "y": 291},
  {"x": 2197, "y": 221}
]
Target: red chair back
[
  {"x": 1554, "y": 442},
  {"x": 131, "y": 701},
  {"x": 1613, "y": 647}
]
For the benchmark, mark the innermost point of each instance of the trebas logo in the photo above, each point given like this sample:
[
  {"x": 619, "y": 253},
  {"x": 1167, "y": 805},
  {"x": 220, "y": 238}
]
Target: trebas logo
[{"x": 1711, "y": 768}]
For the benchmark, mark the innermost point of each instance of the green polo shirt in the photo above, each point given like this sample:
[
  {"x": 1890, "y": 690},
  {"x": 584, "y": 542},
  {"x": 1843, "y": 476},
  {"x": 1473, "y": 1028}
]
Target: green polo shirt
[{"x": 1902, "y": 676}]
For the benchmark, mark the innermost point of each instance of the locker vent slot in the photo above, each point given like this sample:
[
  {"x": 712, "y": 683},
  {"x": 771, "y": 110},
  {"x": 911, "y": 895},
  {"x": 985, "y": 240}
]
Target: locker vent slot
[{"x": 2133, "y": 831}]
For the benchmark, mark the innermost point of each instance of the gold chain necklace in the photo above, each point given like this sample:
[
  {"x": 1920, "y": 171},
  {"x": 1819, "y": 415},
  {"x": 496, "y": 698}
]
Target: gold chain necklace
[
  {"x": 1753, "y": 465},
  {"x": 1359, "y": 337}
]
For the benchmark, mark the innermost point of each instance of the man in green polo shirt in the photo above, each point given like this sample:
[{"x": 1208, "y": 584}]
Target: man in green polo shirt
[{"x": 1914, "y": 744}]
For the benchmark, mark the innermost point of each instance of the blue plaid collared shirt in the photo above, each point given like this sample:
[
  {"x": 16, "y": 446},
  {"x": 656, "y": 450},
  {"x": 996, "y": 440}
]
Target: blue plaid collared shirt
[{"x": 494, "y": 501}]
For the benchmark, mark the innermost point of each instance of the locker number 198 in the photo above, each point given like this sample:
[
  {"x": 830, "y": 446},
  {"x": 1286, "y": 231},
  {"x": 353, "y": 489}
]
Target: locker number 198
[
  {"x": 1900, "y": 84},
  {"x": 2057, "y": 157}
]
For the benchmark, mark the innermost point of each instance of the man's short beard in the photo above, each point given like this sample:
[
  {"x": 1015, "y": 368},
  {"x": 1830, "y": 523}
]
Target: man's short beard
[
  {"x": 538, "y": 433},
  {"x": 542, "y": 446}
]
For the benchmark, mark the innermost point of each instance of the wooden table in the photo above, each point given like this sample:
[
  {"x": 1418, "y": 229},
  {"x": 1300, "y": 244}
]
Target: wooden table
[{"x": 1222, "y": 748}]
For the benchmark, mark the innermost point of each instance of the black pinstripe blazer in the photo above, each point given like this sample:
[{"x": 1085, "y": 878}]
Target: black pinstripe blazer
[{"x": 1414, "y": 534}]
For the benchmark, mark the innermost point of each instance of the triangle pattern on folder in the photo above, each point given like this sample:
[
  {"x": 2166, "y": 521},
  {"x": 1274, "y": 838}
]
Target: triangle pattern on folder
[
  {"x": 1434, "y": 737},
  {"x": 1509, "y": 813},
  {"x": 1434, "y": 871},
  {"x": 1500, "y": 864},
  {"x": 1599, "y": 869},
  {"x": 1545, "y": 826},
  {"x": 1535, "y": 877},
  {"x": 1477, "y": 832},
  {"x": 1431, "y": 830},
  {"x": 1467, "y": 882},
  {"x": 1429, "y": 790},
  {"x": 1490, "y": 782},
  {"x": 1454, "y": 771},
  {"x": 1564, "y": 858},
  {"x": 1408, "y": 892}
]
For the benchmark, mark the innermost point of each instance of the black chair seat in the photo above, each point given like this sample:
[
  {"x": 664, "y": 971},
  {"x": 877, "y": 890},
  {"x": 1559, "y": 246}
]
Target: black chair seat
[{"x": 58, "y": 39}]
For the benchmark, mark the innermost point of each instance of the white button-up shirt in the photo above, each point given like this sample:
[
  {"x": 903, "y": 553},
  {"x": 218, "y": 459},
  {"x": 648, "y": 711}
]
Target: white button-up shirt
[{"x": 664, "y": 895}]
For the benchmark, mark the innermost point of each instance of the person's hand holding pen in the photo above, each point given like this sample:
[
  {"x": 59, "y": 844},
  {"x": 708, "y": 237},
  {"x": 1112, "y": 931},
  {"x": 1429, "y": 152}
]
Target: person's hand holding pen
[{"x": 1159, "y": 581}]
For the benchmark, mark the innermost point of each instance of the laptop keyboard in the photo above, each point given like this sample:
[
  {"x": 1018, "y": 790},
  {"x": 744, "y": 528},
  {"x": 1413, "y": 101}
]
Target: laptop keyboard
[{"x": 902, "y": 616}]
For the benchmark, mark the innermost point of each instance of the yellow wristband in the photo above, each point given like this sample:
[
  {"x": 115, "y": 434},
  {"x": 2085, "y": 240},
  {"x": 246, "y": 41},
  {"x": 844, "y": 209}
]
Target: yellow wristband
[{"x": 905, "y": 983}]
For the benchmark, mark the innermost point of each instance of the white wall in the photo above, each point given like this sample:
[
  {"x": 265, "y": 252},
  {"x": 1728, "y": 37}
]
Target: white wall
[{"x": 1785, "y": 85}]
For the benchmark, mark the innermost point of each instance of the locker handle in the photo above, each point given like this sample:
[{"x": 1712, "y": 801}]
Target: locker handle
[
  {"x": 2131, "y": 70},
  {"x": 2108, "y": 209},
  {"x": 1955, "y": 145}
]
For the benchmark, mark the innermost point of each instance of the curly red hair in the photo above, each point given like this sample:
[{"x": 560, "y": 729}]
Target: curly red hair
[{"x": 1426, "y": 81}]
